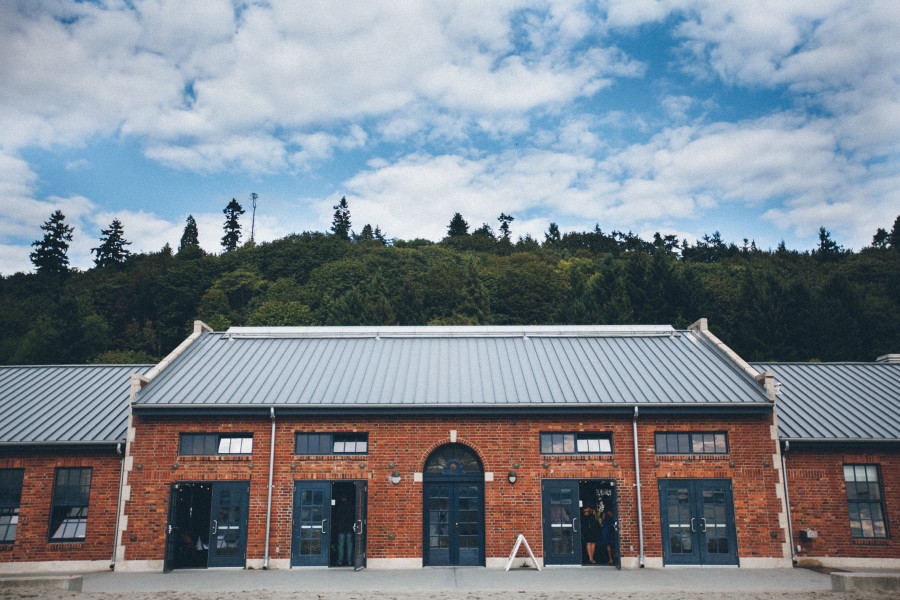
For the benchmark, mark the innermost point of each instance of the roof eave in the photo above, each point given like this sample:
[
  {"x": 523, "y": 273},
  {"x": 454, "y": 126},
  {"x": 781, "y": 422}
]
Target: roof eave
[
  {"x": 755, "y": 408},
  {"x": 796, "y": 440}
]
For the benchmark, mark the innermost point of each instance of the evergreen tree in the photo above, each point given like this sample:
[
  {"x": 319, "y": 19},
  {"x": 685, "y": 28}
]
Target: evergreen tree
[
  {"x": 190, "y": 241},
  {"x": 232, "y": 227},
  {"x": 894, "y": 237},
  {"x": 49, "y": 255},
  {"x": 485, "y": 231},
  {"x": 552, "y": 236},
  {"x": 880, "y": 239},
  {"x": 112, "y": 249},
  {"x": 505, "y": 220},
  {"x": 366, "y": 235},
  {"x": 340, "y": 224},
  {"x": 828, "y": 249},
  {"x": 458, "y": 226}
]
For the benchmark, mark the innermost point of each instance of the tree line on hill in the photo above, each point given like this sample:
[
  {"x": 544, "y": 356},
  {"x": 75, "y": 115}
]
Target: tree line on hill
[{"x": 782, "y": 305}]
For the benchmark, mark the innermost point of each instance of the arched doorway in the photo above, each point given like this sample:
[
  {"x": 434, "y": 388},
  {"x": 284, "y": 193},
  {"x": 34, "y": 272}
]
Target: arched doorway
[{"x": 453, "y": 512}]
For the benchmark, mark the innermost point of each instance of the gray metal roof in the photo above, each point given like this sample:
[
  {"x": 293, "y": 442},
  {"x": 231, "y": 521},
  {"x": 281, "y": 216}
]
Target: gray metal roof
[
  {"x": 837, "y": 401},
  {"x": 450, "y": 368},
  {"x": 65, "y": 404}
]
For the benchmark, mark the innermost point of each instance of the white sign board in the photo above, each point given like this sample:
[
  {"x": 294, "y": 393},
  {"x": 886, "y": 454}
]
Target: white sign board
[{"x": 512, "y": 555}]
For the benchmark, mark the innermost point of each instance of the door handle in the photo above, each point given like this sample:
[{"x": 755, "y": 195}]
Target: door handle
[
  {"x": 575, "y": 525},
  {"x": 703, "y": 524},
  {"x": 215, "y": 527},
  {"x": 693, "y": 528},
  {"x": 456, "y": 526},
  {"x": 323, "y": 525}
]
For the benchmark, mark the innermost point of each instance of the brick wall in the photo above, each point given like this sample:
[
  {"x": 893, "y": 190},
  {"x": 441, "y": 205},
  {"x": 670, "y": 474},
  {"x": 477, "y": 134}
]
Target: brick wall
[
  {"x": 819, "y": 500},
  {"x": 395, "y": 511},
  {"x": 31, "y": 543}
]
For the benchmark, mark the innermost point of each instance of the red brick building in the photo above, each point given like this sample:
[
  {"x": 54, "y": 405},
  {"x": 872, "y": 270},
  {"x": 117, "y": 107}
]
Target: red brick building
[
  {"x": 62, "y": 441},
  {"x": 840, "y": 432},
  {"x": 407, "y": 447}
]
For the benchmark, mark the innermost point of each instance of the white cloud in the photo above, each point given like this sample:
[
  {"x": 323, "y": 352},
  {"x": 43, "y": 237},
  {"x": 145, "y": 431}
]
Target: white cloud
[
  {"x": 680, "y": 176},
  {"x": 191, "y": 78}
]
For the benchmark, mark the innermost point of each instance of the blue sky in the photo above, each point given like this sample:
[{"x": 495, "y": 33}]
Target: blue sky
[{"x": 763, "y": 120}]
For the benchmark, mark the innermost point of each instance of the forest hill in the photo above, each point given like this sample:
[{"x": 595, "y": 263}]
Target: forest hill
[{"x": 828, "y": 304}]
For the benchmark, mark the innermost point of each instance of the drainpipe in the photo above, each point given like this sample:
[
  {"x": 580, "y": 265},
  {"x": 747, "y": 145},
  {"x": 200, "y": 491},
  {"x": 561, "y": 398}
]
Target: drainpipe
[
  {"x": 112, "y": 565},
  {"x": 269, "y": 501},
  {"x": 637, "y": 474},
  {"x": 787, "y": 502}
]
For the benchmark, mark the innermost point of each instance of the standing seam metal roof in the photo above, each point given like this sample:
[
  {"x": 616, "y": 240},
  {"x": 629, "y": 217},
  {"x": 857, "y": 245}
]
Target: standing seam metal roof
[
  {"x": 837, "y": 401},
  {"x": 449, "y": 367},
  {"x": 65, "y": 404}
]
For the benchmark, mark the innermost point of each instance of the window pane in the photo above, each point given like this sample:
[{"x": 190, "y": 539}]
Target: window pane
[
  {"x": 871, "y": 473},
  {"x": 225, "y": 446},
  {"x": 546, "y": 443},
  {"x": 697, "y": 443},
  {"x": 362, "y": 447},
  {"x": 569, "y": 443},
  {"x": 661, "y": 443},
  {"x": 848, "y": 473},
  {"x": 594, "y": 445},
  {"x": 721, "y": 446},
  {"x": 875, "y": 490},
  {"x": 247, "y": 445},
  {"x": 338, "y": 447},
  {"x": 605, "y": 445},
  {"x": 684, "y": 443},
  {"x": 582, "y": 445}
]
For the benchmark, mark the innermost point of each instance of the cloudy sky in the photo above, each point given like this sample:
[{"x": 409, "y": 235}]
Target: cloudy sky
[{"x": 762, "y": 120}]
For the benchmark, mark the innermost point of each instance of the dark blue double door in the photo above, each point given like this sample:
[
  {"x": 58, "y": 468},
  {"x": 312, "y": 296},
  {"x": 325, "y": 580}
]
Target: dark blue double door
[
  {"x": 562, "y": 504},
  {"x": 697, "y": 517},
  {"x": 316, "y": 537},
  {"x": 207, "y": 524},
  {"x": 453, "y": 523}
]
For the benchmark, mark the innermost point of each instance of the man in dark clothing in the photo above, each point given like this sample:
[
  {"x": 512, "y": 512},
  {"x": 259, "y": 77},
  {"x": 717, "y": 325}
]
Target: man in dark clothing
[{"x": 344, "y": 516}]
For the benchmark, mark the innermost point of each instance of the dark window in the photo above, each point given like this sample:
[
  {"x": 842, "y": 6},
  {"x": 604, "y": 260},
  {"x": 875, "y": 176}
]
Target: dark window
[
  {"x": 691, "y": 443},
  {"x": 69, "y": 511},
  {"x": 865, "y": 501},
  {"x": 214, "y": 444},
  {"x": 576, "y": 443},
  {"x": 10, "y": 498},
  {"x": 331, "y": 443}
]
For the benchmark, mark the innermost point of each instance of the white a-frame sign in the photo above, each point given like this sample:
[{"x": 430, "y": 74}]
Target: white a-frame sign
[{"x": 512, "y": 555}]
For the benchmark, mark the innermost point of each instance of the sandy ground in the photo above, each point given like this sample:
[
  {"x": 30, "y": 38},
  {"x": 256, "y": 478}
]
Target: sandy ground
[{"x": 448, "y": 595}]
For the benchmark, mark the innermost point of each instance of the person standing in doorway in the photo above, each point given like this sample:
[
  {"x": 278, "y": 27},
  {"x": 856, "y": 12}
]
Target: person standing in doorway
[
  {"x": 344, "y": 516},
  {"x": 607, "y": 534},
  {"x": 590, "y": 531}
]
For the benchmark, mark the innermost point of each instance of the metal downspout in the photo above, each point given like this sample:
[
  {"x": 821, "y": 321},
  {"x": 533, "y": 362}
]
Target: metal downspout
[
  {"x": 112, "y": 565},
  {"x": 787, "y": 501},
  {"x": 637, "y": 475},
  {"x": 269, "y": 501}
]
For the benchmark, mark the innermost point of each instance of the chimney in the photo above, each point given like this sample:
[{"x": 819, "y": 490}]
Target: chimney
[{"x": 891, "y": 359}]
